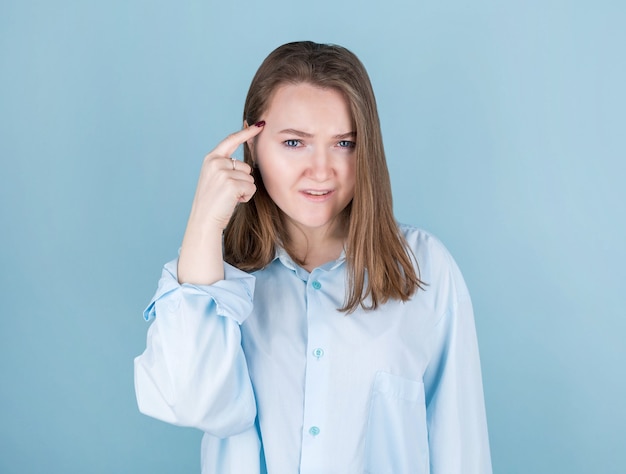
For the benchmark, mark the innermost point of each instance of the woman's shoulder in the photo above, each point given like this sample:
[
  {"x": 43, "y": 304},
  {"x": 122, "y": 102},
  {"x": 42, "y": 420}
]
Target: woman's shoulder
[
  {"x": 434, "y": 261},
  {"x": 420, "y": 240}
]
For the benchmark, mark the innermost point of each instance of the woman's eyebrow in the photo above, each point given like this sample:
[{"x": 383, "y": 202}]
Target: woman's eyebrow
[
  {"x": 341, "y": 136},
  {"x": 300, "y": 133}
]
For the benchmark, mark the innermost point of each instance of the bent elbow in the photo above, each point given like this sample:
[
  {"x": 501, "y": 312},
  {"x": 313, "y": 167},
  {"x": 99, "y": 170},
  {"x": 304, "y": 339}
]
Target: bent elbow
[
  {"x": 221, "y": 413},
  {"x": 219, "y": 418}
]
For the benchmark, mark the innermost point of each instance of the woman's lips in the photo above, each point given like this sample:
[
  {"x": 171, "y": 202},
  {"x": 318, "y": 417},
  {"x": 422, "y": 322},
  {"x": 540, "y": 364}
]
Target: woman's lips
[{"x": 317, "y": 195}]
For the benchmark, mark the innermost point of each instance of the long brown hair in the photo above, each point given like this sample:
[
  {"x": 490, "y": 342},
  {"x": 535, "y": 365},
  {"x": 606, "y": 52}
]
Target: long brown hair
[{"x": 379, "y": 262}]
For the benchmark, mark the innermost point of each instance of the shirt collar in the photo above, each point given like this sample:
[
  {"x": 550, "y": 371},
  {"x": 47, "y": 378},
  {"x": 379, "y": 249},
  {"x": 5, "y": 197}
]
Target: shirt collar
[{"x": 284, "y": 258}]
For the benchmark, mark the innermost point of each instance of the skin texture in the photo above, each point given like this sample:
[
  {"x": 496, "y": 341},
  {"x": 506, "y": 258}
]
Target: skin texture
[
  {"x": 307, "y": 160},
  {"x": 305, "y": 153},
  {"x": 220, "y": 188}
]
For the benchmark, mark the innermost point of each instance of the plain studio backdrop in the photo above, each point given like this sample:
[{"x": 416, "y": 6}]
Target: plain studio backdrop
[{"x": 504, "y": 131}]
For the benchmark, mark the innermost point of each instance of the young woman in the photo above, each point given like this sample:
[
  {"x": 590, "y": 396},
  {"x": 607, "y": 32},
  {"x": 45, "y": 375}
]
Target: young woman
[{"x": 301, "y": 328}]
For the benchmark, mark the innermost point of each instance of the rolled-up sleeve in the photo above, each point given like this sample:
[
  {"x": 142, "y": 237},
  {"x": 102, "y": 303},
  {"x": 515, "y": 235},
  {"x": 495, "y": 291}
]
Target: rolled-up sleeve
[{"x": 193, "y": 371}]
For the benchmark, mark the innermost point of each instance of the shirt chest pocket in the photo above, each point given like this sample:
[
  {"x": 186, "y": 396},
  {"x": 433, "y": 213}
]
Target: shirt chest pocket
[{"x": 397, "y": 434}]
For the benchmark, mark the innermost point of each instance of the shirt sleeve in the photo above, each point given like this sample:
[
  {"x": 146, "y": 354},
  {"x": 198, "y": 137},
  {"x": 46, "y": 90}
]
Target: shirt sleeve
[
  {"x": 455, "y": 410},
  {"x": 193, "y": 371}
]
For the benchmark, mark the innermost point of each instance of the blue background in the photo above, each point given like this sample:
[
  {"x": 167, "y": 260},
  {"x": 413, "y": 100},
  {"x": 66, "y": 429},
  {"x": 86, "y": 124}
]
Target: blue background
[{"x": 504, "y": 127}]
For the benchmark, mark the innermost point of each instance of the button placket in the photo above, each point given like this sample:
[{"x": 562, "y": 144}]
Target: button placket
[{"x": 316, "y": 378}]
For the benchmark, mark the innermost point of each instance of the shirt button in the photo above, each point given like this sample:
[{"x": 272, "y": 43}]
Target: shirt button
[
  {"x": 314, "y": 431},
  {"x": 318, "y": 353},
  {"x": 316, "y": 284}
]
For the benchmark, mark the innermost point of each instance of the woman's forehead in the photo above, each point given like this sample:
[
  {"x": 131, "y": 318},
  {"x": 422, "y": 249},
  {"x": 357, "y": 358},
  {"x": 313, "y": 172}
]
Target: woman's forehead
[{"x": 301, "y": 106}]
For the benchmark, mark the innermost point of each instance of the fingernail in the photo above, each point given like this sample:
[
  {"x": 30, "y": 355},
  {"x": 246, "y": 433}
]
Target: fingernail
[{"x": 260, "y": 124}]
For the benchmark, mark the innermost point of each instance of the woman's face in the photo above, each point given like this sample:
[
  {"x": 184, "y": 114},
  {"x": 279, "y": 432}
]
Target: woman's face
[{"x": 306, "y": 155}]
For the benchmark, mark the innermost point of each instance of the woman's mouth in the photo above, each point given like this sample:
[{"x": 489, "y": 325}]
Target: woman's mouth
[{"x": 317, "y": 194}]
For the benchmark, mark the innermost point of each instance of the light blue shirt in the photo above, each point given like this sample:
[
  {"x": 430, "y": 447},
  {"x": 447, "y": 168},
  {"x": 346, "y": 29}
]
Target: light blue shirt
[{"x": 282, "y": 382}]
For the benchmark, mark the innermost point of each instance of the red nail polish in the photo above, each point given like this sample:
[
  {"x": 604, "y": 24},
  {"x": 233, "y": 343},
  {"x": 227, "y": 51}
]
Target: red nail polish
[{"x": 260, "y": 124}]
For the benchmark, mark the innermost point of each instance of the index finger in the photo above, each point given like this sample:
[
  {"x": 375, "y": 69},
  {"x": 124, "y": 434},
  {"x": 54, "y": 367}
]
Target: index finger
[{"x": 228, "y": 146}]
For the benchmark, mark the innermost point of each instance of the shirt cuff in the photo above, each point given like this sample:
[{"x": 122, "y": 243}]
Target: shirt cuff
[{"x": 232, "y": 296}]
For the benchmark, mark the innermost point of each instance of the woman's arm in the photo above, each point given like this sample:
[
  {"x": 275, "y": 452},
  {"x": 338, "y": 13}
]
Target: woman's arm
[
  {"x": 223, "y": 183},
  {"x": 193, "y": 371},
  {"x": 457, "y": 425}
]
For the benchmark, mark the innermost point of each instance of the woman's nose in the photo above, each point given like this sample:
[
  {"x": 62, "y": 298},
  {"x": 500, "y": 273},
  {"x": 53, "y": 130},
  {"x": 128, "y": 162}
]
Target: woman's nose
[{"x": 320, "y": 165}]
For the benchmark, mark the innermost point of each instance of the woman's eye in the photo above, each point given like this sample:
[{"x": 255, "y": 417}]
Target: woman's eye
[
  {"x": 292, "y": 143},
  {"x": 346, "y": 144}
]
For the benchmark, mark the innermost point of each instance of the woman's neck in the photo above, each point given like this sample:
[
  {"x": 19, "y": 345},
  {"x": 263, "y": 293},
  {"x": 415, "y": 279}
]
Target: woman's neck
[{"x": 316, "y": 247}]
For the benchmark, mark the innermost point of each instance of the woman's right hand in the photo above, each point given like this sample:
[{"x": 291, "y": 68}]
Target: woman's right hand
[{"x": 224, "y": 182}]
